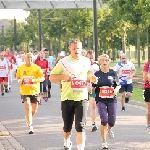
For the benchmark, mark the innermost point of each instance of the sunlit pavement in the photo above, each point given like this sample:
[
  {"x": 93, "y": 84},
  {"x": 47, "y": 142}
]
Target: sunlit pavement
[{"x": 129, "y": 129}]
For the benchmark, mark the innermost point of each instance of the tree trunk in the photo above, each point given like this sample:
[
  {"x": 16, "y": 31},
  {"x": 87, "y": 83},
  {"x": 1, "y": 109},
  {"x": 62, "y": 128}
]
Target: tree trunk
[
  {"x": 138, "y": 44},
  {"x": 124, "y": 40}
]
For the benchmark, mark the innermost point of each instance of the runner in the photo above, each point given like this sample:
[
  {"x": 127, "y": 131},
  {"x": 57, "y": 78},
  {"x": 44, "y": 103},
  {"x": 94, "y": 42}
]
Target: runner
[
  {"x": 43, "y": 64},
  {"x": 35, "y": 55},
  {"x": 29, "y": 77},
  {"x": 12, "y": 60},
  {"x": 146, "y": 92},
  {"x": 84, "y": 52},
  {"x": 125, "y": 71},
  {"x": 4, "y": 70},
  {"x": 19, "y": 61},
  {"x": 61, "y": 55},
  {"x": 94, "y": 68},
  {"x": 106, "y": 90},
  {"x": 73, "y": 70},
  {"x": 50, "y": 60}
]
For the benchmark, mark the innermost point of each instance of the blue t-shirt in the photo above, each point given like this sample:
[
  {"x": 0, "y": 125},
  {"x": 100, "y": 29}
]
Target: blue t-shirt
[
  {"x": 50, "y": 60},
  {"x": 109, "y": 79}
]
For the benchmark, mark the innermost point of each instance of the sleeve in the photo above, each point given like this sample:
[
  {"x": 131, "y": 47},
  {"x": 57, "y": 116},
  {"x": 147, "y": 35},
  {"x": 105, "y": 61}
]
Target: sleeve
[
  {"x": 53, "y": 61},
  {"x": 146, "y": 66},
  {"x": 13, "y": 57},
  {"x": 58, "y": 69}
]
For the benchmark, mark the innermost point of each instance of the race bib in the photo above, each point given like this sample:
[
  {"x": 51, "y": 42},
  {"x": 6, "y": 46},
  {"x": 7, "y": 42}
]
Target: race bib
[
  {"x": 106, "y": 92},
  {"x": 126, "y": 72},
  {"x": 78, "y": 84},
  {"x": 27, "y": 80}
]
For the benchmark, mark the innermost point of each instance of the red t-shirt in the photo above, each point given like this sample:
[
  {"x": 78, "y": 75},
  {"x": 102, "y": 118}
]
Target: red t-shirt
[
  {"x": 10, "y": 58},
  {"x": 44, "y": 66},
  {"x": 145, "y": 69}
]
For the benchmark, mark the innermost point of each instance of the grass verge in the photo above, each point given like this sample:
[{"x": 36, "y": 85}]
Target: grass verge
[{"x": 137, "y": 95}]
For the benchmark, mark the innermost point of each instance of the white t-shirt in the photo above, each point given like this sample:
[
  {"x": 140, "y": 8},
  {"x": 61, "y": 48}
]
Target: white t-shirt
[
  {"x": 4, "y": 67},
  {"x": 125, "y": 71},
  {"x": 94, "y": 67},
  {"x": 19, "y": 62},
  {"x": 34, "y": 57}
]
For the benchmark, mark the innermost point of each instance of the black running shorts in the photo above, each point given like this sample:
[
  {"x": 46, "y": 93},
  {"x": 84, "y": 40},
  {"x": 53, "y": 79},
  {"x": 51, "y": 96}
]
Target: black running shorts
[
  {"x": 146, "y": 95},
  {"x": 31, "y": 98},
  {"x": 71, "y": 108}
]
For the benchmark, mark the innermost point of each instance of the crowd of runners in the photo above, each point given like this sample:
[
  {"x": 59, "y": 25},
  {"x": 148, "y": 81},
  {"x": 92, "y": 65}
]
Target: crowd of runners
[{"x": 83, "y": 81}]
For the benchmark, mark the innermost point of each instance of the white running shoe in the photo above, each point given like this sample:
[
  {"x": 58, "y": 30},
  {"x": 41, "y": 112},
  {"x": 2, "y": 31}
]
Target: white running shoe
[
  {"x": 147, "y": 129},
  {"x": 68, "y": 148},
  {"x": 110, "y": 134},
  {"x": 105, "y": 145},
  {"x": 30, "y": 130}
]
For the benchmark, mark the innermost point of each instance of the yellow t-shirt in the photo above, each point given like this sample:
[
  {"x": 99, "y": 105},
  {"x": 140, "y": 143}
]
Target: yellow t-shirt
[
  {"x": 77, "y": 68},
  {"x": 27, "y": 74}
]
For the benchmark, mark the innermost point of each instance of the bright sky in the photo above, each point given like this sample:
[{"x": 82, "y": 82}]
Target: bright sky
[{"x": 19, "y": 14}]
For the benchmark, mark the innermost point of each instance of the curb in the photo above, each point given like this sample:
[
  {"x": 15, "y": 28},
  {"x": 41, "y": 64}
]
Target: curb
[
  {"x": 134, "y": 102},
  {"x": 7, "y": 141}
]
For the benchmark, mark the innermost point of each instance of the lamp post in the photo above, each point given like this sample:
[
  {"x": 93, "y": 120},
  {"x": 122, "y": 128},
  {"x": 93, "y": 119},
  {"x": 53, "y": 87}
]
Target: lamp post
[
  {"x": 2, "y": 37},
  {"x": 39, "y": 29},
  {"x": 95, "y": 34},
  {"x": 15, "y": 35}
]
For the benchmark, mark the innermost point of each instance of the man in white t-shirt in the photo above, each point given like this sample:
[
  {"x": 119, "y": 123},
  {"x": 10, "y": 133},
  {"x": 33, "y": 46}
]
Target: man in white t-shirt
[
  {"x": 125, "y": 71},
  {"x": 4, "y": 70},
  {"x": 94, "y": 67}
]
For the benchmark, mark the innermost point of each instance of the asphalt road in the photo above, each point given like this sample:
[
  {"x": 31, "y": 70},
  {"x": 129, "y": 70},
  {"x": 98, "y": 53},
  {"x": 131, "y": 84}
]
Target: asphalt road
[{"x": 129, "y": 129}]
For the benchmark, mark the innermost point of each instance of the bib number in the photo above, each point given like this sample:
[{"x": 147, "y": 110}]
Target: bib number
[
  {"x": 78, "y": 84},
  {"x": 28, "y": 80},
  {"x": 106, "y": 92},
  {"x": 126, "y": 72}
]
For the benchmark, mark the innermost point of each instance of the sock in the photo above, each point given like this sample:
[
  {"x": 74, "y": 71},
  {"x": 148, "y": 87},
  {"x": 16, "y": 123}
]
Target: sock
[
  {"x": 80, "y": 147},
  {"x": 67, "y": 142}
]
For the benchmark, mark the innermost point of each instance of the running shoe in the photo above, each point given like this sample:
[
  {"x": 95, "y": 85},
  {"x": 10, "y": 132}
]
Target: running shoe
[
  {"x": 147, "y": 129},
  {"x": 49, "y": 95},
  {"x": 105, "y": 145},
  {"x": 126, "y": 99},
  {"x": 110, "y": 134},
  {"x": 2, "y": 94},
  {"x": 123, "y": 108},
  {"x": 68, "y": 148},
  {"x": 45, "y": 99},
  {"x": 6, "y": 90},
  {"x": 94, "y": 128},
  {"x": 30, "y": 130}
]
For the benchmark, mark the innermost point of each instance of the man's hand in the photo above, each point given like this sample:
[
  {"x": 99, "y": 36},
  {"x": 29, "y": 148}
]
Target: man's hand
[
  {"x": 20, "y": 81},
  {"x": 93, "y": 79},
  {"x": 33, "y": 80},
  {"x": 130, "y": 76},
  {"x": 119, "y": 75}
]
